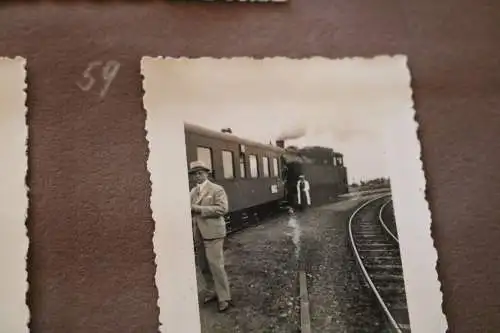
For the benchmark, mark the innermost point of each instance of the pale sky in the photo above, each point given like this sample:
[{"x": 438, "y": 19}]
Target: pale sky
[{"x": 341, "y": 104}]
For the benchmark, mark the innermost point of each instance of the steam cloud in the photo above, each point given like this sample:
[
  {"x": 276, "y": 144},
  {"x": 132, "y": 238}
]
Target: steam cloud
[
  {"x": 293, "y": 133},
  {"x": 339, "y": 130}
]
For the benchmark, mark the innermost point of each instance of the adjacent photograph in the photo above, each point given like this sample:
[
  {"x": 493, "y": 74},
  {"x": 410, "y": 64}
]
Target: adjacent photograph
[
  {"x": 239, "y": 1},
  {"x": 14, "y": 242},
  {"x": 278, "y": 185}
]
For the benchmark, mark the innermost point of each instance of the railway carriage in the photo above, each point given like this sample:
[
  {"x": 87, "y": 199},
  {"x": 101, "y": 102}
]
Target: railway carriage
[
  {"x": 260, "y": 179},
  {"x": 250, "y": 172}
]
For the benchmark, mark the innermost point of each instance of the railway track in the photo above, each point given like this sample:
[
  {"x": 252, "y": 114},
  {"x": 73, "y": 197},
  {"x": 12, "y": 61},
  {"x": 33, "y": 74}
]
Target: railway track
[{"x": 376, "y": 250}]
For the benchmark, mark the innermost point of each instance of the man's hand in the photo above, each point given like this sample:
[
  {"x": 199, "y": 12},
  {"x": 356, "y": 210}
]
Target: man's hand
[{"x": 196, "y": 209}]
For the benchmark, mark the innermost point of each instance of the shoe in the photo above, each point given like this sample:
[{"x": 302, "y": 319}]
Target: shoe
[
  {"x": 209, "y": 298},
  {"x": 224, "y": 305}
]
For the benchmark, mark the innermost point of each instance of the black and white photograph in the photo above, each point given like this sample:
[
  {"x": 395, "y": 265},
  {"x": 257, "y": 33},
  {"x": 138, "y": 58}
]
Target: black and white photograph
[{"x": 287, "y": 196}]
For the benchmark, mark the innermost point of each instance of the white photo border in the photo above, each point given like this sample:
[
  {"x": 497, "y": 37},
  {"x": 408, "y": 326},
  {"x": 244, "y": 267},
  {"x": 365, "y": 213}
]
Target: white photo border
[{"x": 14, "y": 242}]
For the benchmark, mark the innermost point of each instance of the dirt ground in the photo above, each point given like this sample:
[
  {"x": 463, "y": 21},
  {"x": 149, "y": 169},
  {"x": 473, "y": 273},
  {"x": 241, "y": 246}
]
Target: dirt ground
[
  {"x": 262, "y": 265},
  {"x": 339, "y": 300}
]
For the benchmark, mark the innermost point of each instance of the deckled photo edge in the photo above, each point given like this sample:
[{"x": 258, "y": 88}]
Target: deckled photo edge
[
  {"x": 408, "y": 196},
  {"x": 160, "y": 59},
  {"x": 172, "y": 240},
  {"x": 240, "y": 1},
  {"x": 14, "y": 196},
  {"x": 413, "y": 219}
]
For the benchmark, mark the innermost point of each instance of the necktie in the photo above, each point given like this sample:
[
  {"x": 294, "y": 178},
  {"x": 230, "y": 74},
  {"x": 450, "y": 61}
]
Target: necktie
[{"x": 198, "y": 192}]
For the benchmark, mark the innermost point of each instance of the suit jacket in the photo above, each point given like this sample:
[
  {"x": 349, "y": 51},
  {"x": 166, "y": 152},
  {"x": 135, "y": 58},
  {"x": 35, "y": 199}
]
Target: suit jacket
[{"x": 210, "y": 221}]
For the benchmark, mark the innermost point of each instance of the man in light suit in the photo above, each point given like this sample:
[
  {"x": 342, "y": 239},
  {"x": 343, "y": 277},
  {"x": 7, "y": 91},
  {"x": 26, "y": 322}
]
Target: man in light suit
[
  {"x": 209, "y": 204},
  {"x": 303, "y": 195}
]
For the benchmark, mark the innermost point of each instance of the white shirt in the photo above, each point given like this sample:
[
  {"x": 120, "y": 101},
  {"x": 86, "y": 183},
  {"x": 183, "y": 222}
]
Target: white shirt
[{"x": 202, "y": 185}]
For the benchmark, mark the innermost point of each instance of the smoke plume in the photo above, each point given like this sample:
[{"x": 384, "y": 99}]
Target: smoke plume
[
  {"x": 338, "y": 131},
  {"x": 293, "y": 133}
]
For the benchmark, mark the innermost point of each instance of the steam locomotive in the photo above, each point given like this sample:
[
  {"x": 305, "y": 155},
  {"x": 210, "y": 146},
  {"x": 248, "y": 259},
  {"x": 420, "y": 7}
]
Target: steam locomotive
[{"x": 260, "y": 179}]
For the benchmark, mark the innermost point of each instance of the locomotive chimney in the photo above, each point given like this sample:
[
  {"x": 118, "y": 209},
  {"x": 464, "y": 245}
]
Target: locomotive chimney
[{"x": 280, "y": 143}]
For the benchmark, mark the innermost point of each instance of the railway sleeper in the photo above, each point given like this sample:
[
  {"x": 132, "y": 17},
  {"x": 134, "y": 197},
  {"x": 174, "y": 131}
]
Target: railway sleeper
[
  {"x": 393, "y": 259},
  {"x": 385, "y": 267},
  {"x": 374, "y": 261},
  {"x": 387, "y": 277},
  {"x": 368, "y": 227},
  {"x": 373, "y": 264},
  {"x": 391, "y": 250},
  {"x": 368, "y": 230},
  {"x": 372, "y": 240},
  {"x": 391, "y": 290},
  {"x": 374, "y": 237},
  {"x": 373, "y": 244},
  {"x": 364, "y": 232},
  {"x": 397, "y": 304},
  {"x": 372, "y": 231},
  {"x": 368, "y": 222},
  {"x": 388, "y": 269},
  {"x": 377, "y": 252}
]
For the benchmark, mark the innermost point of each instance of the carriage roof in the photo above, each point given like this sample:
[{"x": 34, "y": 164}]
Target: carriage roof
[
  {"x": 229, "y": 137},
  {"x": 290, "y": 154}
]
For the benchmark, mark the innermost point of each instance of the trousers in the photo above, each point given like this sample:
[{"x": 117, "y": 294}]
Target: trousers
[{"x": 210, "y": 261}]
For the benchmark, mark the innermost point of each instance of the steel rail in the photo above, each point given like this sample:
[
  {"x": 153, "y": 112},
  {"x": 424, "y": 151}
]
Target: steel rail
[
  {"x": 381, "y": 220},
  {"x": 362, "y": 266}
]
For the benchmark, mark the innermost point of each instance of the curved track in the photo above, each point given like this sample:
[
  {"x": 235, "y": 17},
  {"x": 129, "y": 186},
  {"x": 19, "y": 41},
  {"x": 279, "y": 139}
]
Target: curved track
[
  {"x": 376, "y": 250},
  {"x": 391, "y": 233}
]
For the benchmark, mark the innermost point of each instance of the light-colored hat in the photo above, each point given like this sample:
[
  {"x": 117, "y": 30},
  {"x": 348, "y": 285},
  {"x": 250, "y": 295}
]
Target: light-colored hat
[
  {"x": 198, "y": 165},
  {"x": 302, "y": 176}
]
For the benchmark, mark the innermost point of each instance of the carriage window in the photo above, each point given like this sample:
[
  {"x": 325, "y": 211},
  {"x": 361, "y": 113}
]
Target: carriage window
[
  {"x": 243, "y": 173},
  {"x": 275, "y": 167},
  {"x": 228, "y": 164},
  {"x": 334, "y": 159},
  {"x": 205, "y": 155},
  {"x": 265, "y": 166},
  {"x": 254, "y": 169}
]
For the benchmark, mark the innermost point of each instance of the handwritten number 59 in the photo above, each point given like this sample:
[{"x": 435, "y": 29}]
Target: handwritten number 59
[{"x": 109, "y": 70}]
